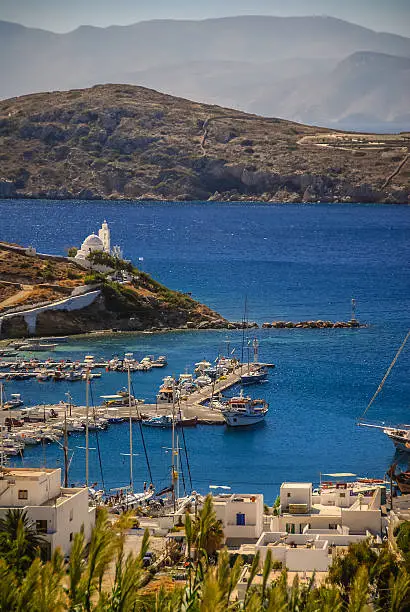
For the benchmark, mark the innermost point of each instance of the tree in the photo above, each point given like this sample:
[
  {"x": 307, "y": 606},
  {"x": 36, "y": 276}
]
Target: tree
[
  {"x": 19, "y": 541},
  {"x": 72, "y": 251},
  {"x": 208, "y": 534}
]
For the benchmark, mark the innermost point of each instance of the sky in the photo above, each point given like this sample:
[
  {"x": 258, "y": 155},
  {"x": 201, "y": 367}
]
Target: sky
[{"x": 66, "y": 15}]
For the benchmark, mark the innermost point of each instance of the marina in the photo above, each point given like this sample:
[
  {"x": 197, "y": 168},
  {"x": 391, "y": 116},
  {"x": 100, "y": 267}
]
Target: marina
[{"x": 323, "y": 378}]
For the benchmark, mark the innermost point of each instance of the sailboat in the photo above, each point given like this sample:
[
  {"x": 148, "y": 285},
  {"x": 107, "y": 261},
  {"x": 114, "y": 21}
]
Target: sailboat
[
  {"x": 132, "y": 498},
  {"x": 399, "y": 434}
]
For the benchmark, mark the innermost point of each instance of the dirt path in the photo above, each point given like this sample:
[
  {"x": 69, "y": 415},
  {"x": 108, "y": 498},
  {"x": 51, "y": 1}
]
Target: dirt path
[{"x": 18, "y": 297}]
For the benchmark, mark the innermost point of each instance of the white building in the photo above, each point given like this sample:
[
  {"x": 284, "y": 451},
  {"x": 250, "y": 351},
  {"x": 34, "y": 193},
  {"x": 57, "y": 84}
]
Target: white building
[
  {"x": 56, "y": 513},
  {"x": 352, "y": 505},
  {"x": 93, "y": 243},
  {"x": 312, "y": 526},
  {"x": 241, "y": 516}
]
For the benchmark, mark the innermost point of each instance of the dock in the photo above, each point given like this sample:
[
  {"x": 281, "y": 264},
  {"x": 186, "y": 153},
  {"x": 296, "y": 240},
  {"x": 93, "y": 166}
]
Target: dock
[{"x": 193, "y": 405}]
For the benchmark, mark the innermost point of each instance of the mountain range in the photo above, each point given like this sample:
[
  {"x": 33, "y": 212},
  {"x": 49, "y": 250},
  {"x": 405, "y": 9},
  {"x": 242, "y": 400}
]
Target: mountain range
[{"x": 318, "y": 70}]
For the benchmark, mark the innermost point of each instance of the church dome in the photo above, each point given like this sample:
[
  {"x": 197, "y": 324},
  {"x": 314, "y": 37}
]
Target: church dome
[{"x": 92, "y": 242}]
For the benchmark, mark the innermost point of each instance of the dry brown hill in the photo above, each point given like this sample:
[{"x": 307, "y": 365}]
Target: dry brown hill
[
  {"x": 28, "y": 281},
  {"x": 121, "y": 141}
]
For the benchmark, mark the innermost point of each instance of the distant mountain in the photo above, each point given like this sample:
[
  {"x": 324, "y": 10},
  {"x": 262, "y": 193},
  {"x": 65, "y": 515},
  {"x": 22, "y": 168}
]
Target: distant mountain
[
  {"x": 278, "y": 66},
  {"x": 365, "y": 89}
]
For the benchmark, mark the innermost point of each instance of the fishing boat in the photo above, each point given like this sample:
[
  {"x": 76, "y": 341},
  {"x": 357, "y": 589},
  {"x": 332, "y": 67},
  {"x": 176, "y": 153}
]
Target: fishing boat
[
  {"x": 73, "y": 376},
  {"x": 254, "y": 376},
  {"x": 113, "y": 416},
  {"x": 241, "y": 411},
  {"x": 121, "y": 398},
  {"x": 164, "y": 420}
]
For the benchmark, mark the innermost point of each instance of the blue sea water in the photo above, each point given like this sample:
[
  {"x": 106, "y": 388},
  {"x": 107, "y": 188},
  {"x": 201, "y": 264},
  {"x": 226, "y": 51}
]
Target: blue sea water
[{"x": 293, "y": 262}]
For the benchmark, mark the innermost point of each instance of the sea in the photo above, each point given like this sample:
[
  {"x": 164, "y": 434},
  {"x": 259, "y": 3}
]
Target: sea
[{"x": 288, "y": 262}]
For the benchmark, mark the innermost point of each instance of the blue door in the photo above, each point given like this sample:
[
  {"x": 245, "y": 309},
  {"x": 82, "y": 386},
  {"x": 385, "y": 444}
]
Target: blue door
[{"x": 240, "y": 518}]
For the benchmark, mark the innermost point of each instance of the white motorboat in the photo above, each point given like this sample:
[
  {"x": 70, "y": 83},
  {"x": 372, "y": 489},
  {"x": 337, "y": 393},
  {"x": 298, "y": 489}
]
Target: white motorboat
[
  {"x": 132, "y": 500},
  {"x": 37, "y": 346},
  {"x": 241, "y": 411},
  {"x": 14, "y": 402}
]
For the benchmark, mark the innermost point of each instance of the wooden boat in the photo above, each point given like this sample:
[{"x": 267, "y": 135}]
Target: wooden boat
[{"x": 402, "y": 478}]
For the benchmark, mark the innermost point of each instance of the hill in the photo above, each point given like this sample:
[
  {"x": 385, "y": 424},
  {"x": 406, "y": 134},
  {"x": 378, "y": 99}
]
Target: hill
[
  {"x": 47, "y": 295},
  {"x": 119, "y": 141},
  {"x": 253, "y": 63}
]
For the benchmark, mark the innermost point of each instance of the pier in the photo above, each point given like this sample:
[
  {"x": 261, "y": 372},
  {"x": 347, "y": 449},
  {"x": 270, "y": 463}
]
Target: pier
[{"x": 191, "y": 405}]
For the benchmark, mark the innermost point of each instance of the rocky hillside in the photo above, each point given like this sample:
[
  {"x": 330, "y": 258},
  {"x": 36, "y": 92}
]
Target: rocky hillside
[
  {"x": 121, "y": 141},
  {"x": 30, "y": 281}
]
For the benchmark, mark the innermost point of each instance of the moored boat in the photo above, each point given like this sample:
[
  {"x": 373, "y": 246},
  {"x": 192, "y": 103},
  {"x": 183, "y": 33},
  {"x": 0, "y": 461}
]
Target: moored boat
[
  {"x": 254, "y": 376},
  {"x": 242, "y": 411}
]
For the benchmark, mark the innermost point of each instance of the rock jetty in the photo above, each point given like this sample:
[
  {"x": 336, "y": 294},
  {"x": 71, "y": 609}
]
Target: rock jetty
[{"x": 312, "y": 324}]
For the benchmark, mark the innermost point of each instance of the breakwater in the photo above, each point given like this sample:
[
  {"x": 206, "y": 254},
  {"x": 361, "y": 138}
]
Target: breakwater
[{"x": 312, "y": 324}]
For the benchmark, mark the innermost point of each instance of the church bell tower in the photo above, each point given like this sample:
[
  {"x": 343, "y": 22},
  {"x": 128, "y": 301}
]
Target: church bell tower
[{"x": 104, "y": 236}]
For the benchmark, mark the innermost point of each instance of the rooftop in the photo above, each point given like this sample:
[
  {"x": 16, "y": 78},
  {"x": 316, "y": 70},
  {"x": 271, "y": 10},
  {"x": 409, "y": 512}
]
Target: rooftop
[
  {"x": 223, "y": 498},
  {"x": 296, "y": 485},
  {"x": 32, "y": 473}
]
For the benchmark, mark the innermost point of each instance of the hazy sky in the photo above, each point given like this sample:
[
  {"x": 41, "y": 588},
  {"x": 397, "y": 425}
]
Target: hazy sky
[{"x": 66, "y": 15}]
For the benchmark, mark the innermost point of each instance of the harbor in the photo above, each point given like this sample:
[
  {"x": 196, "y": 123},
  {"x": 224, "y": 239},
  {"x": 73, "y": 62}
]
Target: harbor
[{"x": 323, "y": 377}]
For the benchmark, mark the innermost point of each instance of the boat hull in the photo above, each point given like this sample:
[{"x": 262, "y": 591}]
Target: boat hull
[
  {"x": 248, "y": 379},
  {"x": 242, "y": 420}
]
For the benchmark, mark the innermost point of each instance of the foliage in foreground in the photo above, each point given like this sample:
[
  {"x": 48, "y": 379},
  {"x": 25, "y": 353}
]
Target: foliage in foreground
[{"x": 102, "y": 578}]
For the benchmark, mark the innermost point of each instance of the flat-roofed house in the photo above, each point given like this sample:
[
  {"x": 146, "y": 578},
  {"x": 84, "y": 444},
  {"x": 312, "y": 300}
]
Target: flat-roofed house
[{"x": 57, "y": 513}]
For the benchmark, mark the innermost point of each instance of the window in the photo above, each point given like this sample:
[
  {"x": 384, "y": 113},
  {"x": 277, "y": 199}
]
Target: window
[
  {"x": 71, "y": 514},
  {"x": 23, "y": 494},
  {"x": 332, "y": 525},
  {"x": 71, "y": 536},
  {"x": 240, "y": 518},
  {"x": 290, "y": 527},
  {"x": 41, "y": 526},
  {"x": 342, "y": 494},
  {"x": 289, "y": 494}
]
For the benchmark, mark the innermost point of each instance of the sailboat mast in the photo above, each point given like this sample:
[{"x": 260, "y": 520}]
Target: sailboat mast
[
  {"x": 65, "y": 449},
  {"x": 130, "y": 419},
  {"x": 173, "y": 448},
  {"x": 87, "y": 384},
  {"x": 2, "y": 426},
  {"x": 244, "y": 320},
  {"x": 177, "y": 464}
]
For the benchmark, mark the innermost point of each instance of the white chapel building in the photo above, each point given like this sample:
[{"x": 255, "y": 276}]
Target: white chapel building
[{"x": 92, "y": 243}]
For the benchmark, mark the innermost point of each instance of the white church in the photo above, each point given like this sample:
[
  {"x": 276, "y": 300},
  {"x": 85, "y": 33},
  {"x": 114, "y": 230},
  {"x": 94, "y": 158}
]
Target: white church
[{"x": 94, "y": 242}]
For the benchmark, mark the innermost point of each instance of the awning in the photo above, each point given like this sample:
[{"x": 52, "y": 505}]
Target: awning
[
  {"x": 340, "y": 475},
  {"x": 112, "y": 396}
]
